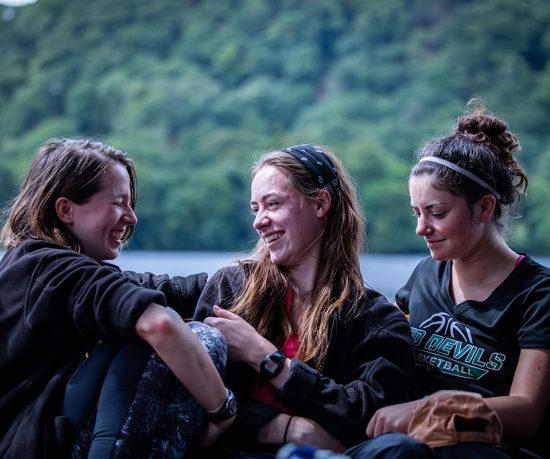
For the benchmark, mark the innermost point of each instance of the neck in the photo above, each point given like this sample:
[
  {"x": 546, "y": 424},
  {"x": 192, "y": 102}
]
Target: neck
[
  {"x": 476, "y": 276},
  {"x": 304, "y": 280}
]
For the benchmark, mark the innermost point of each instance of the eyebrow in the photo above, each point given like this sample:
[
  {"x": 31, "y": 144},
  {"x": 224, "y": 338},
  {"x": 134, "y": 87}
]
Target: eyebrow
[
  {"x": 431, "y": 205},
  {"x": 266, "y": 196},
  {"x": 120, "y": 196}
]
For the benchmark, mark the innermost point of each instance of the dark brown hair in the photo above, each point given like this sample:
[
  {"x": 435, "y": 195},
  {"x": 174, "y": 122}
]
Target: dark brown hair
[
  {"x": 482, "y": 144},
  {"x": 69, "y": 168}
]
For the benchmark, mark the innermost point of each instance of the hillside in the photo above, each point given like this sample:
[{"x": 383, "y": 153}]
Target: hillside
[{"x": 194, "y": 90}]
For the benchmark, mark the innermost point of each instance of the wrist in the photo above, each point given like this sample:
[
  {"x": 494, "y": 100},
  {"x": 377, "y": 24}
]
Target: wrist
[
  {"x": 271, "y": 366},
  {"x": 225, "y": 411},
  {"x": 259, "y": 353},
  {"x": 286, "y": 435}
]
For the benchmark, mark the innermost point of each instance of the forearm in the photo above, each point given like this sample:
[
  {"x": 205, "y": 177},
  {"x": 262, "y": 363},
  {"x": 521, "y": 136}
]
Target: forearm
[
  {"x": 183, "y": 353},
  {"x": 519, "y": 417},
  {"x": 523, "y": 410},
  {"x": 273, "y": 432}
]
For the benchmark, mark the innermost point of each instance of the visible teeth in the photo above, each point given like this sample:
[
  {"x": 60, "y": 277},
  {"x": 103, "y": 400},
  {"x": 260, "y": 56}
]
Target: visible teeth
[
  {"x": 273, "y": 237},
  {"x": 117, "y": 235}
]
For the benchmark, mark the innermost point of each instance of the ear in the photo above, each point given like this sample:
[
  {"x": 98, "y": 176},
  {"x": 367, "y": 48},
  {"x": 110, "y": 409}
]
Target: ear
[
  {"x": 487, "y": 204},
  {"x": 64, "y": 210},
  {"x": 323, "y": 203}
]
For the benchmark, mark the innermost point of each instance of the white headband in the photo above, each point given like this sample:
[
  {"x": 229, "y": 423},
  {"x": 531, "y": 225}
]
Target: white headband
[{"x": 460, "y": 170}]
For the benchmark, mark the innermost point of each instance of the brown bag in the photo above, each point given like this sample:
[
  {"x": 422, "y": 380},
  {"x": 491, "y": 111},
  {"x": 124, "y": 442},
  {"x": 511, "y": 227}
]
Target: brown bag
[{"x": 450, "y": 417}]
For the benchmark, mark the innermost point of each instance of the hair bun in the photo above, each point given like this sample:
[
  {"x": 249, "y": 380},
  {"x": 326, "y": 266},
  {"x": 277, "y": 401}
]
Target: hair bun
[{"x": 482, "y": 127}]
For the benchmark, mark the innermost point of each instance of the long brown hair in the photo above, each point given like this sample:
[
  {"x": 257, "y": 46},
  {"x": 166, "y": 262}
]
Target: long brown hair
[
  {"x": 69, "y": 168},
  {"x": 339, "y": 287}
]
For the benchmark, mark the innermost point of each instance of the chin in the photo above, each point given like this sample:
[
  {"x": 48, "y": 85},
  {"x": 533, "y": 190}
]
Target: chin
[
  {"x": 439, "y": 256},
  {"x": 279, "y": 261}
]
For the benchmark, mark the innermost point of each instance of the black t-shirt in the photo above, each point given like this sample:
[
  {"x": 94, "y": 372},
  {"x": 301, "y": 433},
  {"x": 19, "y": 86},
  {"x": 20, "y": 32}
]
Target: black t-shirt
[{"x": 474, "y": 345}]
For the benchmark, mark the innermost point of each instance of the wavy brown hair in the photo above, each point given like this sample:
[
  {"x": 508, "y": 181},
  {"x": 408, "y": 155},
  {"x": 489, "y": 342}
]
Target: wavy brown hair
[
  {"x": 69, "y": 168},
  {"x": 339, "y": 287}
]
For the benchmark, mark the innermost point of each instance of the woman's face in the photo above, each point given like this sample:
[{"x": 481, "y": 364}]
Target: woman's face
[
  {"x": 444, "y": 221},
  {"x": 100, "y": 223},
  {"x": 289, "y": 223}
]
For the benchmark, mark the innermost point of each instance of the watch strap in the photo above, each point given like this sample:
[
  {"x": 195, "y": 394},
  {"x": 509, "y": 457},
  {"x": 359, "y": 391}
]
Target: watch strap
[{"x": 227, "y": 409}]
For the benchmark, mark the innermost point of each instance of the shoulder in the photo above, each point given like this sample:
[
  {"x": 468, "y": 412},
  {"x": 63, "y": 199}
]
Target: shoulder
[
  {"x": 38, "y": 256},
  {"x": 377, "y": 311},
  {"x": 428, "y": 279},
  {"x": 533, "y": 269},
  {"x": 231, "y": 276},
  {"x": 221, "y": 289},
  {"x": 530, "y": 279}
]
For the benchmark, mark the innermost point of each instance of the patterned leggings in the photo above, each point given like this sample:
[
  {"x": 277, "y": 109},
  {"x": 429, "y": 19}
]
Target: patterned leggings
[{"x": 143, "y": 411}]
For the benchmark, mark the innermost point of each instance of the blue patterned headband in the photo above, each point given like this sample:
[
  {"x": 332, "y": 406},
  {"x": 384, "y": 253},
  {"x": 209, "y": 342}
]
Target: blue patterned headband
[{"x": 319, "y": 165}]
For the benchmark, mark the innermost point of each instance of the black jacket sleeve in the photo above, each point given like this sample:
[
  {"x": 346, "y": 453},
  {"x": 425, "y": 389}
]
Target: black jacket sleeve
[
  {"x": 368, "y": 365},
  {"x": 182, "y": 293}
]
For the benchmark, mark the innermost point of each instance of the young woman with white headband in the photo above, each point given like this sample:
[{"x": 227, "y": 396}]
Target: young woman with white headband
[{"x": 479, "y": 311}]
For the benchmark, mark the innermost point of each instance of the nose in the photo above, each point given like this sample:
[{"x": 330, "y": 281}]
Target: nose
[
  {"x": 422, "y": 226},
  {"x": 260, "y": 220},
  {"x": 130, "y": 216}
]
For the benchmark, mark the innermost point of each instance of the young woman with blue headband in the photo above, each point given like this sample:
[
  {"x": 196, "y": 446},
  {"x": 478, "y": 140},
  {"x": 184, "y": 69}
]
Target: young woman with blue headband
[{"x": 313, "y": 353}]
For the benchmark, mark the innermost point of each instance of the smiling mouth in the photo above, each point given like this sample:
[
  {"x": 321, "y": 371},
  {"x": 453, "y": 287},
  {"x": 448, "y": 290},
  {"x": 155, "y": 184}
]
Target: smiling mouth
[
  {"x": 117, "y": 235},
  {"x": 273, "y": 237}
]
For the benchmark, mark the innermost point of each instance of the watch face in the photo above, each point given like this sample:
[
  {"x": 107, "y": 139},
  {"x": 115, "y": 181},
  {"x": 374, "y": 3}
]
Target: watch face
[
  {"x": 271, "y": 366},
  {"x": 232, "y": 405}
]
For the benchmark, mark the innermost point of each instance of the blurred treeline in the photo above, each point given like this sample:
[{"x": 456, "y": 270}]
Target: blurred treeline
[{"x": 194, "y": 90}]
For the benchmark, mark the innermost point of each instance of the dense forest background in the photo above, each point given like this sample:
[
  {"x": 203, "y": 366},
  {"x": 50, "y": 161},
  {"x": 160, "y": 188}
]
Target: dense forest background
[{"x": 195, "y": 90}]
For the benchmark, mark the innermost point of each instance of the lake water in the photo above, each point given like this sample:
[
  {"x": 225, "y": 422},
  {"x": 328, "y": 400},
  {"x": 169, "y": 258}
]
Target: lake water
[{"x": 385, "y": 273}]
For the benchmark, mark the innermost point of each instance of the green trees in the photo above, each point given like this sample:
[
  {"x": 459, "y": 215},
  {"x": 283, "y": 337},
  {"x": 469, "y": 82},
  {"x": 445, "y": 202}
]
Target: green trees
[{"x": 194, "y": 90}]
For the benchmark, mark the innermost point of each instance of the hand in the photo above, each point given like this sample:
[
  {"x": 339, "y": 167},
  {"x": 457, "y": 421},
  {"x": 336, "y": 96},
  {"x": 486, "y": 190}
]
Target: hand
[
  {"x": 393, "y": 418},
  {"x": 304, "y": 430},
  {"x": 213, "y": 432},
  {"x": 244, "y": 343}
]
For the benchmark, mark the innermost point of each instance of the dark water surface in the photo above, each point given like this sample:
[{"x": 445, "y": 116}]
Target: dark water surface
[{"x": 385, "y": 273}]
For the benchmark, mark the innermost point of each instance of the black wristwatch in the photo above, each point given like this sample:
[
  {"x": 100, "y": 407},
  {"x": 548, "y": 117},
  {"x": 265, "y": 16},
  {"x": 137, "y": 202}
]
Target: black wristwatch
[
  {"x": 226, "y": 411},
  {"x": 271, "y": 366}
]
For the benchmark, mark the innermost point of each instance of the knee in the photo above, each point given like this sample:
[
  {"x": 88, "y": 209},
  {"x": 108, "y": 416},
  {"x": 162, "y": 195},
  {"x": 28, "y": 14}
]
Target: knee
[{"x": 213, "y": 341}]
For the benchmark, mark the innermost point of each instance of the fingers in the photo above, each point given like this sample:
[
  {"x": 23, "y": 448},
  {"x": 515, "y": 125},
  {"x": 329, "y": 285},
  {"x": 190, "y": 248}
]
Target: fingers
[
  {"x": 224, "y": 313},
  {"x": 375, "y": 426},
  {"x": 221, "y": 313},
  {"x": 371, "y": 426}
]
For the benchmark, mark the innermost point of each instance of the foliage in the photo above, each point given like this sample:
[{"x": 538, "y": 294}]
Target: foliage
[{"x": 194, "y": 90}]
